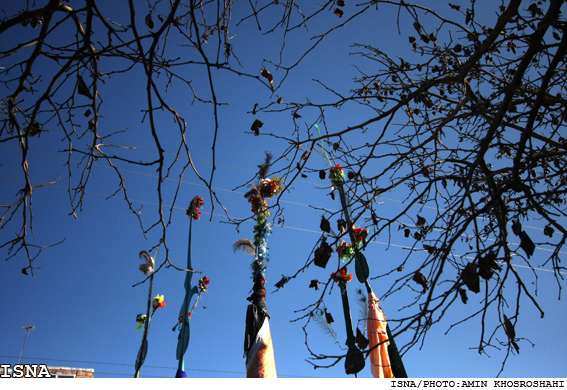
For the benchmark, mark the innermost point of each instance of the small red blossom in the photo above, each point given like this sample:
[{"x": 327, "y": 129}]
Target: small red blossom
[{"x": 341, "y": 276}]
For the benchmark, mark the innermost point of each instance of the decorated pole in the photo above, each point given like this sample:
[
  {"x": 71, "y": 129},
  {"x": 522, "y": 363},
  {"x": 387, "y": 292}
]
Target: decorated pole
[
  {"x": 354, "y": 361},
  {"x": 258, "y": 347},
  {"x": 145, "y": 320},
  {"x": 193, "y": 213},
  {"x": 381, "y": 344}
]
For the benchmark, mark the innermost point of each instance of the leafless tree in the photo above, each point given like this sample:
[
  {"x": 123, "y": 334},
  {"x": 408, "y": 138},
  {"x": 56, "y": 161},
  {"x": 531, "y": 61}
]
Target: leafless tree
[
  {"x": 467, "y": 127},
  {"x": 56, "y": 63}
]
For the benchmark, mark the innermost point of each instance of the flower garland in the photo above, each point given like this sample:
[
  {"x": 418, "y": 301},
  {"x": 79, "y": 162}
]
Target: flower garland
[{"x": 266, "y": 189}]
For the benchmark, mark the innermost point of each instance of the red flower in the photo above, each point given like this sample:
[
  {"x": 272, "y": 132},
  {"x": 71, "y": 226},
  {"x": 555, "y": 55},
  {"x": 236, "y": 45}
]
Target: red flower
[
  {"x": 203, "y": 283},
  {"x": 193, "y": 210},
  {"x": 359, "y": 234},
  {"x": 341, "y": 276}
]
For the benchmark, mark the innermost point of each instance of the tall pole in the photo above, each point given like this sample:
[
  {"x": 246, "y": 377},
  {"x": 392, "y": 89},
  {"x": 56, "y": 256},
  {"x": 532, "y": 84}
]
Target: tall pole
[{"x": 28, "y": 327}]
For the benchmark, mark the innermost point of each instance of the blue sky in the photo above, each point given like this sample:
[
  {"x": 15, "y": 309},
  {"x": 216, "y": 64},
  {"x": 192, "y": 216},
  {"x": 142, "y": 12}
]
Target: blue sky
[{"x": 83, "y": 303}]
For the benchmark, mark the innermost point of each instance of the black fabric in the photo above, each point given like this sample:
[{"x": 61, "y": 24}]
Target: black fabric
[
  {"x": 398, "y": 368},
  {"x": 256, "y": 313}
]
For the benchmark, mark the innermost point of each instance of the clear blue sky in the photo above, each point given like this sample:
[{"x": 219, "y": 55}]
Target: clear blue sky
[{"x": 82, "y": 302}]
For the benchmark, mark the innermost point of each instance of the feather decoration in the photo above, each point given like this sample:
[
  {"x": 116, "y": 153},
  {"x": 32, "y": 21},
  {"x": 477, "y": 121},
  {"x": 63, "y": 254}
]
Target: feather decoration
[
  {"x": 265, "y": 166},
  {"x": 252, "y": 191},
  {"x": 245, "y": 245},
  {"x": 319, "y": 317},
  {"x": 147, "y": 268}
]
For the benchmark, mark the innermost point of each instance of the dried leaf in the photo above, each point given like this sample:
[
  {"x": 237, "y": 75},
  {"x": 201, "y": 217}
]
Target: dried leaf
[
  {"x": 487, "y": 265},
  {"x": 516, "y": 227},
  {"x": 322, "y": 174},
  {"x": 150, "y": 21},
  {"x": 339, "y": 12},
  {"x": 267, "y": 75},
  {"x": 420, "y": 278},
  {"x": 82, "y": 88},
  {"x": 526, "y": 243},
  {"x": 463, "y": 294},
  {"x": 323, "y": 254},
  {"x": 314, "y": 284},
  {"x": 548, "y": 231},
  {"x": 282, "y": 282},
  {"x": 361, "y": 340},
  {"x": 256, "y": 126},
  {"x": 325, "y": 225},
  {"x": 33, "y": 129},
  {"x": 470, "y": 278},
  {"x": 417, "y": 27},
  {"x": 509, "y": 328},
  {"x": 328, "y": 317},
  {"x": 374, "y": 218},
  {"x": 341, "y": 225}
]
